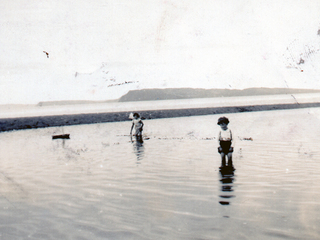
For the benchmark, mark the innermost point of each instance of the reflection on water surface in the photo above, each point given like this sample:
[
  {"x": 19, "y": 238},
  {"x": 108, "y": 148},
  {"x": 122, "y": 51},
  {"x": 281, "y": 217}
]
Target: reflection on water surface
[
  {"x": 100, "y": 185},
  {"x": 227, "y": 178},
  {"x": 138, "y": 148}
]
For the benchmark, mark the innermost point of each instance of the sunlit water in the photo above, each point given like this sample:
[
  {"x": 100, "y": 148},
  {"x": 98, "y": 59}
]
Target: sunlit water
[{"x": 100, "y": 185}]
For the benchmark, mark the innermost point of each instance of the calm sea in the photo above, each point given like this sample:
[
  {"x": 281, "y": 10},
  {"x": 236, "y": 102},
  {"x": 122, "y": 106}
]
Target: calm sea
[{"x": 100, "y": 185}]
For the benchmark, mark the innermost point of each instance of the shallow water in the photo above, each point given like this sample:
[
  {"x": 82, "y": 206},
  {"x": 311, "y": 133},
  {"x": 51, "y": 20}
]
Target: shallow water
[{"x": 100, "y": 185}]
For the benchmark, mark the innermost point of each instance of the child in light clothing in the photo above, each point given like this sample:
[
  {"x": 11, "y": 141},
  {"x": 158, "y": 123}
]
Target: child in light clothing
[
  {"x": 137, "y": 124},
  {"x": 225, "y": 140}
]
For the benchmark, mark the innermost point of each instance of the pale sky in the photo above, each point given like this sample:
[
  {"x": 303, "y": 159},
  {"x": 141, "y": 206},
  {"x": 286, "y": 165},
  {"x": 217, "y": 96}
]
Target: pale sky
[{"x": 151, "y": 43}]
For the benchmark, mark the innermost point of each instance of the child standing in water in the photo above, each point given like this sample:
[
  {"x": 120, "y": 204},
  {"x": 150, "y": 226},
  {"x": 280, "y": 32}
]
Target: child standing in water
[
  {"x": 225, "y": 140},
  {"x": 137, "y": 124}
]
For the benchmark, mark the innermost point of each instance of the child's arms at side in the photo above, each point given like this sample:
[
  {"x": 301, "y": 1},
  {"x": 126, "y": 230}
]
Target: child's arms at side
[{"x": 131, "y": 128}]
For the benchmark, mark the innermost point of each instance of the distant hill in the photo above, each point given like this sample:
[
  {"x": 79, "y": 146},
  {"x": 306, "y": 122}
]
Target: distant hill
[{"x": 185, "y": 93}]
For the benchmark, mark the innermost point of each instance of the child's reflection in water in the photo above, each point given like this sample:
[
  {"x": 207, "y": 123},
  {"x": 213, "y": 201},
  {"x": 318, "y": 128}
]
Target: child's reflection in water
[
  {"x": 138, "y": 147},
  {"x": 227, "y": 179}
]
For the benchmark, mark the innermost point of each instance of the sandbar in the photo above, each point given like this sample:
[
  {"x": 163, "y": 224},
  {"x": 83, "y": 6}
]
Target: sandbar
[{"x": 35, "y": 116}]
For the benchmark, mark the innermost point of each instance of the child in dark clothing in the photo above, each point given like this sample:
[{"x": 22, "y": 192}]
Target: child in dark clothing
[{"x": 225, "y": 140}]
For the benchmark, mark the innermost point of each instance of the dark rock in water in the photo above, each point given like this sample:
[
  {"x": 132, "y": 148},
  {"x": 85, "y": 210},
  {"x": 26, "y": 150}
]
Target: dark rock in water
[{"x": 62, "y": 136}]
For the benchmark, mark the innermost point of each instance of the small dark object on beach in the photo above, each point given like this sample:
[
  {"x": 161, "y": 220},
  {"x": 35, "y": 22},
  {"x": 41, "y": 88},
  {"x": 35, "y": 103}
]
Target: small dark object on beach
[
  {"x": 62, "y": 136},
  {"x": 248, "y": 139}
]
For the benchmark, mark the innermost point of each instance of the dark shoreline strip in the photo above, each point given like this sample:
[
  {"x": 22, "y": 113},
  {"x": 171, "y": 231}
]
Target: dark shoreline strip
[{"x": 8, "y": 124}]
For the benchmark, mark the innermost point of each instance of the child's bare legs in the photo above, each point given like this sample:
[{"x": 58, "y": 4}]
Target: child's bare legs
[
  {"x": 139, "y": 134},
  {"x": 230, "y": 159},
  {"x": 223, "y": 159}
]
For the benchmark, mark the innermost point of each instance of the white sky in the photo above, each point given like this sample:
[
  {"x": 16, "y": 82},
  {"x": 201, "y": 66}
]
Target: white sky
[{"x": 208, "y": 44}]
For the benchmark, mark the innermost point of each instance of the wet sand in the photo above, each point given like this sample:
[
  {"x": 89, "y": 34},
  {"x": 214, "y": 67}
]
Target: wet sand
[{"x": 50, "y": 116}]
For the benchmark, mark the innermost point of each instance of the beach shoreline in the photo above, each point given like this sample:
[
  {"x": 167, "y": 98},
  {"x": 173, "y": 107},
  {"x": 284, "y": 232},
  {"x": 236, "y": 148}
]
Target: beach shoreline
[{"x": 69, "y": 118}]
